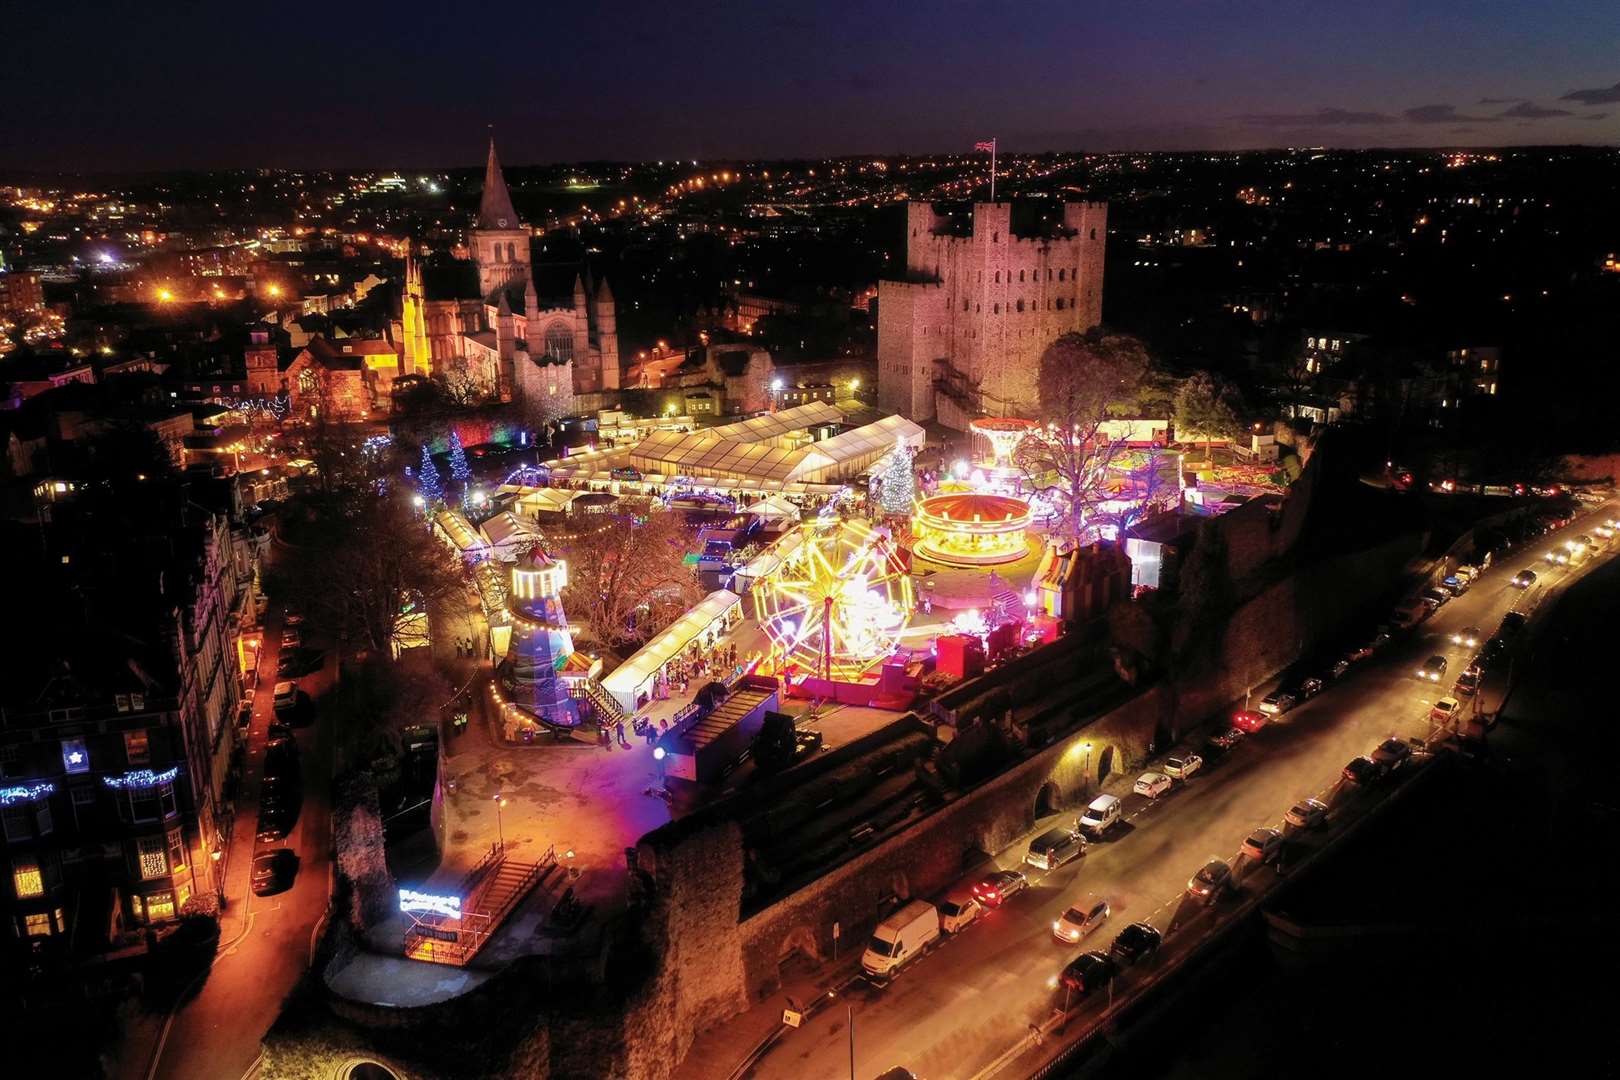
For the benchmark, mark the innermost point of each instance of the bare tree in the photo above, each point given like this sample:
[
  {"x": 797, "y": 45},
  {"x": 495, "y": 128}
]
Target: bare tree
[
  {"x": 630, "y": 578},
  {"x": 368, "y": 567},
  {"x": 1070, "y": 460}
]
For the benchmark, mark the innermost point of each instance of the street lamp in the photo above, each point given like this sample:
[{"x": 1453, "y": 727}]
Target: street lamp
[
  {"x": 1087, "y": 765},
  {"x": 500, "y": 829}
]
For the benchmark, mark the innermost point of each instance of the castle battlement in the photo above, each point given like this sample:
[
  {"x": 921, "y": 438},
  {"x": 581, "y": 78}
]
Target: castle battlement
[{"x": 986, "y": 303}]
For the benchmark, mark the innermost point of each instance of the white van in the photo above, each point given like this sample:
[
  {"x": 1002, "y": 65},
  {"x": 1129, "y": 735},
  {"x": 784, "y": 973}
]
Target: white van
[
  {"x": 901, "y": 938},
  {"x": 1101, "y": 815}
]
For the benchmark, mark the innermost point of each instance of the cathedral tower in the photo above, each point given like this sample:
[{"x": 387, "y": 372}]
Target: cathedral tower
[{"x": 500, "y": 242}]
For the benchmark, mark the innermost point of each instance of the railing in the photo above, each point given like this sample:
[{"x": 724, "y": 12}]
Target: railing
[
  {"x": 611, "y": 712},
  {"x": 433, "y": 941}
]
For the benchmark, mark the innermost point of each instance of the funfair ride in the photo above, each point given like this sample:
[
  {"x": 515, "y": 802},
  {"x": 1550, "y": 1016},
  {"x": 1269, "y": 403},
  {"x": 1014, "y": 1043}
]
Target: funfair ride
[{"x": 837, "y": 606}]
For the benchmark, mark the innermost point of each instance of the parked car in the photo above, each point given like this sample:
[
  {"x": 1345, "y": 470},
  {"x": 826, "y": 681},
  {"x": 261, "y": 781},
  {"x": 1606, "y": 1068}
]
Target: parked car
[
  {"x": 291, "y": 638},
  {"x": 1512, "y": 623},
  {"x": 287, "y": 663},
  {"x": 1263, "y": 845},
  {"x": 1307, "y": 814},
  {"x": 1211, "y": 879},
  {"x": 1054, "y": 847},
  {"x": 1524, "y": 579},
  {"x": 1225, "y": 740},
  {"x": 279, "y": 729},
  {"x": 1182, "y": 766},
  {"x": 1391, "y": 752},
  {"x": 1362, "y": 771},
  {"x": 1088, "y": 972},
  {"x": 274, "y": 826},
  {"x": 1308, "y": 688},
  {"x": 1445, "y": 710},
  {"x": 1101, "y": 815},
  {"x": 1249, "y": 721},
  {"x": 1494, "y": 652},
  {"x": 1336, "y": 669},
  {"x": 1080, "y": 920},
  {"x": 1151, "y": 784},
  {"x": 286, "y": 696},
  {"x": 1278, "y": 702},
  {"x": 1433, "y": 668},
  {"x": 1435, "y": 598},
  {"x": 1468, "y": 637},
  {"x": 293, "y": 618},
  {"x": 994, "y": 889},
  {"x": 1454, "y": 584},
  {"x": 1467, "y": 684},
  {"x": 274, "y": 871},
  {"x": 1134, "y": 944},
  {"x": 958, "y": 910}
]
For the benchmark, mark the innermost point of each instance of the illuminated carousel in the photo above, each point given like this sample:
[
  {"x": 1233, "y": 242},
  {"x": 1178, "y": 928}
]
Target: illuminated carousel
[
  {"x": 996, "y": 438},
  {"x": 967, "y": 529}
]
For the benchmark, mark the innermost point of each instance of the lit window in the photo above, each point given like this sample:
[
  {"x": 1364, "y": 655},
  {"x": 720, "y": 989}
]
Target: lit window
[
  {"x": 177, "y": 850},
  {"x": 38, "y": 925},
  {"x": 137, "y": 747},
  {"x": 154, "y": 863},
  {"x": 160, "y": 906},
  {"x": 27, "y": 878}
]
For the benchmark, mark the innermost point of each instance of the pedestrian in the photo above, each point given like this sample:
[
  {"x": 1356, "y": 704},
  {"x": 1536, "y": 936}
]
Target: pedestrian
[{"x": 621, "y": 733}]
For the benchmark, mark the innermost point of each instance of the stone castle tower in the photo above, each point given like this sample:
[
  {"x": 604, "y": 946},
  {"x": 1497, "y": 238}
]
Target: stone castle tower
[{"x": 961, "y": 335}]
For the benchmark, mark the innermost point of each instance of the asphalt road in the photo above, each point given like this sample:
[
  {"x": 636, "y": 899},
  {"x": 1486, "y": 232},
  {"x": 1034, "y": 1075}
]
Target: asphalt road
[
  {"x": 956, "y": 1009},
  {"x": 216, "y": 1035}
]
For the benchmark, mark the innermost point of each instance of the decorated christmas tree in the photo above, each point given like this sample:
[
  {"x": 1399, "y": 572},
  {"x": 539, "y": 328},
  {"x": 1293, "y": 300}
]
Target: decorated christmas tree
[
  {"x": 428, "y": 483},
  {"x": 899, "y": 485},
  {"x": 459, "y": 470}
]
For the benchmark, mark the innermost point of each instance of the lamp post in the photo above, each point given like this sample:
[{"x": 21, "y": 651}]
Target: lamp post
[
  {"x": 500, "y": 829},
  {"x": 1087, "y": 766},
  {"x": 219, "y": 887}
]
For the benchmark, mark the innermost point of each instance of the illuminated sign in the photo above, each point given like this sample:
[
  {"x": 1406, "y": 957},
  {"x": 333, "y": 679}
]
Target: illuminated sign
[
  {"x": 142, "y": 778},
  {"x": 429, "y": 904}
]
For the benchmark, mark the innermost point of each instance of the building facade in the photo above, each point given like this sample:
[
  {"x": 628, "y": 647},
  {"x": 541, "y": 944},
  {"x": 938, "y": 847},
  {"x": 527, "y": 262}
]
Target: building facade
[
  {"x": 961, "y": 335},
  {"x": 513, "y": 312}
]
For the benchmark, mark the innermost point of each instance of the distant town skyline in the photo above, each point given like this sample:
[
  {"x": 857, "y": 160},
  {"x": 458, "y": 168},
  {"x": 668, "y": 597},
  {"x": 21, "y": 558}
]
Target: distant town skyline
[{"x": 300, "y": 86}]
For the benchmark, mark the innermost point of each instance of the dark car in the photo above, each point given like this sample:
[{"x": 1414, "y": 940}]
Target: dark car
[
  {"x": 1249, "y": 721},
  {"x": 1494, "y": 652},
  {"x": 274, "y": 871},
  {"x": 1391, "y": 752},
  {"x": 1512, "y": 623},
  {"x": 280, "y": 729},
  {"x": 1363, "y": 770},
  {"x": 994, "y": 890},
  {"x": 281, "y": 757},
  {"x": 1467, "y": 684},
  {"x": 1088, "y": 972},
  {"x": 1308, "y": 688},
  {"x": 273, "y": 826},
  {"x": 1524, "y": 579},
  {"x": 287, "y": 662},
  {"x": 1134, "y": 944}
]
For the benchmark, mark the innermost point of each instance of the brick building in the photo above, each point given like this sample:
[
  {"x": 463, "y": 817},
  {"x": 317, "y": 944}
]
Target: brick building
[{"x": 961, "y": 335}]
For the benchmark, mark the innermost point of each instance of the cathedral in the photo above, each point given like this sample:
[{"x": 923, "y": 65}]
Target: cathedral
[{"x": 507, "y": 326}]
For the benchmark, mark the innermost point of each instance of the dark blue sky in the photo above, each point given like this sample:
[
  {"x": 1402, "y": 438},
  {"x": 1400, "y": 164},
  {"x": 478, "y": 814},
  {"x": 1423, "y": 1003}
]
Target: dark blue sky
[{"x": 88, "y": 85}]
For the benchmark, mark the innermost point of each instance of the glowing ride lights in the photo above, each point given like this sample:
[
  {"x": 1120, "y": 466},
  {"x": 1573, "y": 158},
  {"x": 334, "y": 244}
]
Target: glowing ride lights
[
  {"x": 838, "y": 604},
  {"x": 969, "y": 530},
  {"x": 1002, "y": 435},
  {"x": 420, "y": 903}
]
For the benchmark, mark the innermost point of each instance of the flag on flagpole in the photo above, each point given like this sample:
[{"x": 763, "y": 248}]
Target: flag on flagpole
[{"x": 984, "y": 145}]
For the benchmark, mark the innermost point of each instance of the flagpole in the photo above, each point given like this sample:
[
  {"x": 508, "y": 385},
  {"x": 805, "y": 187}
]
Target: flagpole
[{"x": 992, "y": 169}]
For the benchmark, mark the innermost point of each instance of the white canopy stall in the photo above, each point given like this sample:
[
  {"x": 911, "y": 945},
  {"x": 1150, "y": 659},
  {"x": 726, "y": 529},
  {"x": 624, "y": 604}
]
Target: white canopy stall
[{"x": 631, "y": 682}]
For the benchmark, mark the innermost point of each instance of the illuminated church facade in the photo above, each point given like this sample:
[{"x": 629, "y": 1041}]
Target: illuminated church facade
[{"x": 509, "y": 327}]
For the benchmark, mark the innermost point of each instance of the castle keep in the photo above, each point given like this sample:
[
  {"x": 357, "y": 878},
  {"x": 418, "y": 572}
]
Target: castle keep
[{"x": 961, "y": 335}]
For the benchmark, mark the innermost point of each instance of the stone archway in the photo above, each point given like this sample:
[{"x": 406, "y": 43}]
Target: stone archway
[
  {"x": 798, "y": 954},
  {"x": 1048, "y": 800},
  {"x": 1107, "y": 763}
]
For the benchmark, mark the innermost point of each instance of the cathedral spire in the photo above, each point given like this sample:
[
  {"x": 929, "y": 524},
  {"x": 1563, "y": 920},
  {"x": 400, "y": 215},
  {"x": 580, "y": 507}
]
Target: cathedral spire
[{"x": 495, "y": 210}]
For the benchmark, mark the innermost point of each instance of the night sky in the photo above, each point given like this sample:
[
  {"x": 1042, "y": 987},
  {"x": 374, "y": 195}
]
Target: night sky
[{"x": 95, "y": 85}]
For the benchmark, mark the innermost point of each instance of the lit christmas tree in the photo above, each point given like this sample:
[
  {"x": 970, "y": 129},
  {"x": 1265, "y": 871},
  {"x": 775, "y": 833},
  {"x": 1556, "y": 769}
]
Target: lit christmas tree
[
  {"x": 899, "y": 485},
  {"x": 428, "y": 483},
  {"x": 459, "y": 470}
]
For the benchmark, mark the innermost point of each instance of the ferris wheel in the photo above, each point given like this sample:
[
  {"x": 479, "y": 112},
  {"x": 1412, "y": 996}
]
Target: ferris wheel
[{"x": 838, "y": 602}]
